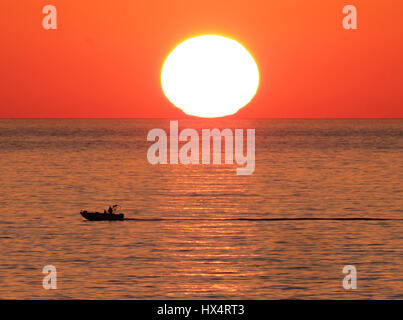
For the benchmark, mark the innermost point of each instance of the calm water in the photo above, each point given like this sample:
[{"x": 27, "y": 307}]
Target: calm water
[{"x": 51, "y": 169}]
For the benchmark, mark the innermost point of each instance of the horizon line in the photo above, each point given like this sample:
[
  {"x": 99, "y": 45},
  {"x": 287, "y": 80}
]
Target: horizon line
[{"x": 199, "y": 118}]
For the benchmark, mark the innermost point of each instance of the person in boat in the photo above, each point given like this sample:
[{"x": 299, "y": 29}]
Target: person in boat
[{"x": 110, "y": 210}]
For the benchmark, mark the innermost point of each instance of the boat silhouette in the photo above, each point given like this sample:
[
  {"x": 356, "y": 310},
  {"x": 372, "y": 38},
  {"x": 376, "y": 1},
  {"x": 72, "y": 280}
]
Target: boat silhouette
[{"x": 111, "y": 215}]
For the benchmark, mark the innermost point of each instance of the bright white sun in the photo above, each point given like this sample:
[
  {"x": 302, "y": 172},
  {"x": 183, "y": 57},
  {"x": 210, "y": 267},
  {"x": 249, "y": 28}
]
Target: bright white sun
[{"x": 210, "y": 76}]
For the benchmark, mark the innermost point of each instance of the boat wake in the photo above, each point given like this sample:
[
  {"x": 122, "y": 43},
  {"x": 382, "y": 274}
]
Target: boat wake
[{"x": 263, "y": 219}]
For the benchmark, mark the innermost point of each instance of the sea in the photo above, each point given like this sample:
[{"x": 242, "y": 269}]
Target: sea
[{"x": 325, "y": 194}]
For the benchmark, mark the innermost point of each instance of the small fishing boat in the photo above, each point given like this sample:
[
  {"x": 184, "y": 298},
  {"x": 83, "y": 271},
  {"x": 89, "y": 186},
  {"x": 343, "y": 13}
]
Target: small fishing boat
[{"x": 111, "y": 215}]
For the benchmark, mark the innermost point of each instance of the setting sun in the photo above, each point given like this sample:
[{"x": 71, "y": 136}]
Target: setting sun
[{"x": 210, "y": 76}]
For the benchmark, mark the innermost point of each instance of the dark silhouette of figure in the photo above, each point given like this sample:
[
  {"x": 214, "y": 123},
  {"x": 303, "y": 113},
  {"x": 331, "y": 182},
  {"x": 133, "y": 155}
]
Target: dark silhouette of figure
[{"x": 110, "y": 210}]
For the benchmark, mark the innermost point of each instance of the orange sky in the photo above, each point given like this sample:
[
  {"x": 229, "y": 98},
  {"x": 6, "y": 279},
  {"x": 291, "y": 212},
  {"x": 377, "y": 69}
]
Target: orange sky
[{"x": 106, "y": 56}]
